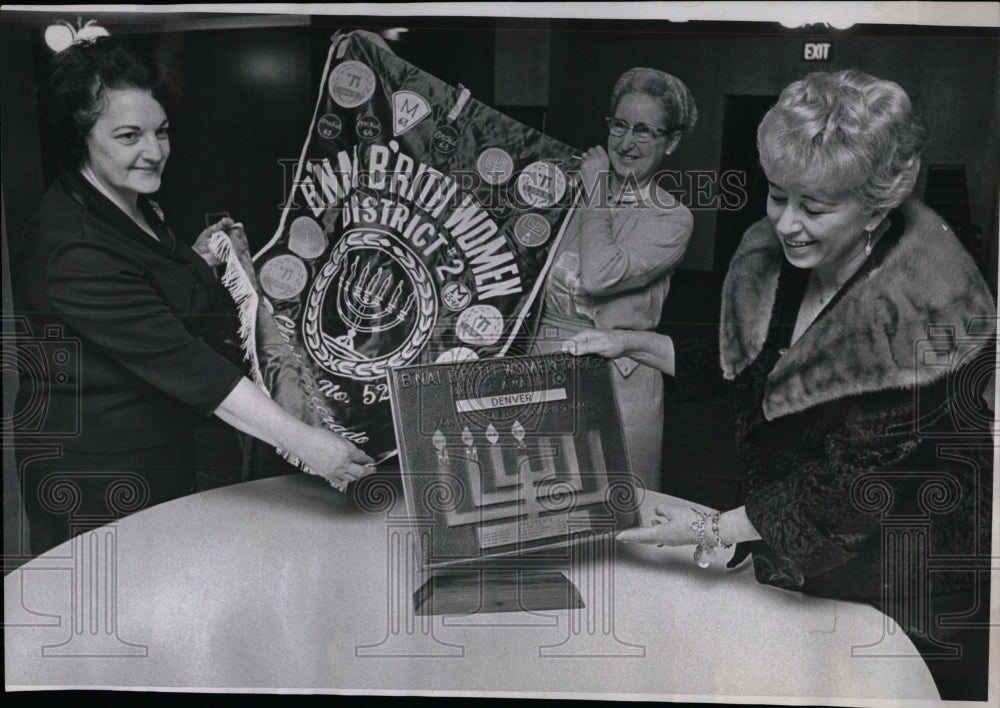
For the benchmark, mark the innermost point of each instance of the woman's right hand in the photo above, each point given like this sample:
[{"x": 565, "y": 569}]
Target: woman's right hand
[
  {"x": 609, "y": 343},
  {"x": 331, "y": 456},
  {"x": 594, "y": 167},
  {"x": 200, "y": 245}
]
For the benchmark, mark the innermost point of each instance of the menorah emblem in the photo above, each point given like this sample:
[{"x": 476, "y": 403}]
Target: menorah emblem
[
  {"x": 381, "y": 284},
  {"x": 365, "y": 304}
]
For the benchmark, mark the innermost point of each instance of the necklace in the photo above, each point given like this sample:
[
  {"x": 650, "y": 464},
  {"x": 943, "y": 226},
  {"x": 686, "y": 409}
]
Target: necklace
[
  {"x": 823, "y": 295},
  {"x": 814, "y": 300},
  {"x": 820, "y": 294},
  {"x": 816, "y": 297}
]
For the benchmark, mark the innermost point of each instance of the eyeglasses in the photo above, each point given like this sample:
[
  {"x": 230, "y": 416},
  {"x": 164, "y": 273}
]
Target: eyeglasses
[{"x": 641, "y": 132}]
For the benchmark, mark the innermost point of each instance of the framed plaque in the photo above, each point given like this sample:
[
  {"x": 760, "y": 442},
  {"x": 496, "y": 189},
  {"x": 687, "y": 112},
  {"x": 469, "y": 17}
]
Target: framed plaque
[{"x": 514, "y": 457}]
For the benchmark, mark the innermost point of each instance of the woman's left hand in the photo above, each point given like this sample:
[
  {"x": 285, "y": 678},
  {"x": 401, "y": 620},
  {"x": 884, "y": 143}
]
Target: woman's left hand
[
  {"x": 200, "y": 245},
  {"x": 670, "y": 526}
]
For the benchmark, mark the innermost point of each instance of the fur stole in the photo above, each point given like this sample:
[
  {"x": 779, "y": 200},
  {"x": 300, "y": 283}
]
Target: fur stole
[{"x": 906, "y": 322}]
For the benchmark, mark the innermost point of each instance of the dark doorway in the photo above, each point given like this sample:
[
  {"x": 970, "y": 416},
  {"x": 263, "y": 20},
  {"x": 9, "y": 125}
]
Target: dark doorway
[
  {"x": 739, "y": 152},
  {"x": 699, "y": 455}
]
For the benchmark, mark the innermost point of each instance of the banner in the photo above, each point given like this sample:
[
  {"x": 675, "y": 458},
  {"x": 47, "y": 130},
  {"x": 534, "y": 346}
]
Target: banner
[{"x": 418, "y": 229}]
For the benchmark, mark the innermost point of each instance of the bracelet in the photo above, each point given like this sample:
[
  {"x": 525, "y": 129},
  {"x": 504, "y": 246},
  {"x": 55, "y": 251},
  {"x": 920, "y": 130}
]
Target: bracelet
[
  {"x": 703, "y": 553},
  {"x": 715, "y": 532}
]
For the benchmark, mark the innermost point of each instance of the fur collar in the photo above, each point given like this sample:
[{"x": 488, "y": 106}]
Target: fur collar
[{"x": 905, "y": 322}]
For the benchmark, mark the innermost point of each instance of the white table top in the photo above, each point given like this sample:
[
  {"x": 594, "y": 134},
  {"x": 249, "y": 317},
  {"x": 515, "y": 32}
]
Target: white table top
[{"x": 285, "y": 584}]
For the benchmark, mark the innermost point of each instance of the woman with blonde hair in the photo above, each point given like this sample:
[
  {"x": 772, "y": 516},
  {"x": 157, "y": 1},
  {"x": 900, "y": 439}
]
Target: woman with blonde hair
[{"x": 855, "y": 335}]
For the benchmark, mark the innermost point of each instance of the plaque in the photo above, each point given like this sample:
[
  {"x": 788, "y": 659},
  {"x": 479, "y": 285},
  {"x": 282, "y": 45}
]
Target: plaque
[{"x": 511, "y": 458}]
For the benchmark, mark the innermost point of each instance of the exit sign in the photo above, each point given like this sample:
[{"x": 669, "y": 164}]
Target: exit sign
[{"x": 817, "y": 51}]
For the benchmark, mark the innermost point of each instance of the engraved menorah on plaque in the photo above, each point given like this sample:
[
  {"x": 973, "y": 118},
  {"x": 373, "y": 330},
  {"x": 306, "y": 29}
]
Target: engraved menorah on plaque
[
  {"x": 521, "y": 475},
  {"x": 370, "y": 300}
]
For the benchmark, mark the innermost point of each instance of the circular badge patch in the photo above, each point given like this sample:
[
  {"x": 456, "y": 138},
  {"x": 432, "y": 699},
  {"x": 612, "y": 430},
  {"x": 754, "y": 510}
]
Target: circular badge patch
[
  {"x": 532, "y": 230},
  {"x": 456, "y": 354},
  {"x": 541, "y": 184},
  {"x": 306, "y": 238},
  {"x": 329, "y": 126},
  {"x": 495, "y": 165},
  {"x": 351, "y": 84},
  {"x": 445, "y": 139},
  {"x": 456, "y": 296},
  {"x": 283, "y": 277},
  {"x": 480, "y": 325},
  {"x": 368, "y": 127}
]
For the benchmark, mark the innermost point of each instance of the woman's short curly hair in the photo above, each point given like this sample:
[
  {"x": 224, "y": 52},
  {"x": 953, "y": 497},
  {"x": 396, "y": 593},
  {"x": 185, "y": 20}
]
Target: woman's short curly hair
[
  {"x": 73, "y": 98},
  {"x": 669, "y": 91},
  {"x": 847, "y": 129}
]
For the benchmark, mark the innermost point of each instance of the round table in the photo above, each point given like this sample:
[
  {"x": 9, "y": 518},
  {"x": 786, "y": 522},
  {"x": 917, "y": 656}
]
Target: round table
[{"x": 287, "y": 584}]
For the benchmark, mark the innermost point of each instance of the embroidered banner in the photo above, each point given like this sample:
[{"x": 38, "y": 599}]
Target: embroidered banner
[{"x": 417, "y": 230}]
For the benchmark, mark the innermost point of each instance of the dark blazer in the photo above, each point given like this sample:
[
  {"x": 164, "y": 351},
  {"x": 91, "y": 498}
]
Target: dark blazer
[{"x": 143, "y": 323}]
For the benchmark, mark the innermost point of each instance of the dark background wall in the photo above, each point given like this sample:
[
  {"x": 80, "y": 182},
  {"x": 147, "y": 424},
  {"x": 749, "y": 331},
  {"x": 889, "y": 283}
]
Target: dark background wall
[
  {"x": 952, "y": 81},
  {"x": 246, "y": 102}
]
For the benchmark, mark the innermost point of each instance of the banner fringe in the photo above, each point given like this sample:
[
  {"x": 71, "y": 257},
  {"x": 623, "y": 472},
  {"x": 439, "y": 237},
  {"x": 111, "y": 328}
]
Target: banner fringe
[
  {"x": 240, "y": 287},
  {"x": 238, "y": 283}
]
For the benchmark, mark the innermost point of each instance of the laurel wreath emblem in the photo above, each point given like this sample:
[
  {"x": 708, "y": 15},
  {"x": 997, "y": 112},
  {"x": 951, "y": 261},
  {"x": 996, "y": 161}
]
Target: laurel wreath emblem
[{"x": 426, "y": 309}]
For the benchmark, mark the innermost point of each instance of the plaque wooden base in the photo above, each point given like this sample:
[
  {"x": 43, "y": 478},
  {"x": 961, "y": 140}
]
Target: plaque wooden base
[{"x": 467, "y": 592}]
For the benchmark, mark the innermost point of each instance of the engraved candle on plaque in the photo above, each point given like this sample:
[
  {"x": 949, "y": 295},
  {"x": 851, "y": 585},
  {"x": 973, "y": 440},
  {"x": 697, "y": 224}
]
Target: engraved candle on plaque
[
  {"x": 471, "y": 455},
  {"x": 496, "y": 454},
  {"x": 517, "y": 431},
  {"x": 443, "y": 461}
]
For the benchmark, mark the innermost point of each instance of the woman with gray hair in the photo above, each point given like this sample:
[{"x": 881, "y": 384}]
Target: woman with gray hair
[
  {"x": 621, "y": 245},
  {"x": 856, "y": 334}
]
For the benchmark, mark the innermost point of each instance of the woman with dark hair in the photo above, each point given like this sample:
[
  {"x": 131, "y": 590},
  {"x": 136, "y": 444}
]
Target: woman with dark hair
[
  {"x": 622, "y": 244},
  {"x": 141, "y": 312},
  {"x": 855, "y": 333}
]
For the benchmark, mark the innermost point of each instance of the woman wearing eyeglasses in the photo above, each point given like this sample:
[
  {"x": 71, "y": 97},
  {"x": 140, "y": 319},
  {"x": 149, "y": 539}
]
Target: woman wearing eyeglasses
[
  {"x": 857, "y": 336},
  {"x": 613, "y": 266}
]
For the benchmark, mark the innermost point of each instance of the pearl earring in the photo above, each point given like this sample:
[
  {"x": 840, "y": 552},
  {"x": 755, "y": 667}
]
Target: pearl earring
[{"x": 868, "y": 246}]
